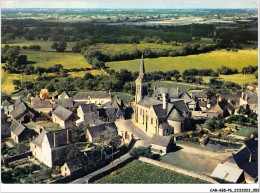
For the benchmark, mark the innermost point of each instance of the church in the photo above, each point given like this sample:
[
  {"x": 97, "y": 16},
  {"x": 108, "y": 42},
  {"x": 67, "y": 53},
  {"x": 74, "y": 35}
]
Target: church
[{"x": 159, "y": 116}]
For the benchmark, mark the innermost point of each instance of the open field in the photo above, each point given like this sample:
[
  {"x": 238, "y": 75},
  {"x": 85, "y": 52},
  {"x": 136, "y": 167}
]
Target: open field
[
  {"x": 45, "y": 45},
  {"x": 246, "y": 131},
  {"x": 237, "y": 78},
  {"x": 117, "y": 48},
  {"x": 138, "y": 172},
  {"x": 212, "y": 60},
  {"x": 194, "y": 158},
  {"x": 82, "y": 73},
  {"x": 123, "y": 96},
  {"x": 182, "y": 85},
  {"x": 48, "y": 126},
  {"x": 48, "y": 59}
]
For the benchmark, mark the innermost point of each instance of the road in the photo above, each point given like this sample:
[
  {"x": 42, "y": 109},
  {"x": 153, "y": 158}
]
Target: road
[
  {"x": 142, "y": 138},
  {"x": 108, "y": 167}
]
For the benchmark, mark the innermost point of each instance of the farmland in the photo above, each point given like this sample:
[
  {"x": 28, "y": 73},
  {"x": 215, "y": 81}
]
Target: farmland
[
  {"x": 45, "y": 45},
  {"x": 212, "y": 60},
  {"x": 48, "y": 59},
  {"x": 138, "y": 172},
  {"x": 237, "y": 78}
]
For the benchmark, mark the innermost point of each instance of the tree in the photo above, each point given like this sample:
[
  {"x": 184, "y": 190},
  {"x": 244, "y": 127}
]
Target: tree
[
  {"x": 177, "y": 77},
  {"x": 17, "y": 84},
  {"x": 72, "y": 152},
  {"x": 116, "y": 141},
  {"x": 29, "y": 69},
  {"x": 59, "y": 46}
]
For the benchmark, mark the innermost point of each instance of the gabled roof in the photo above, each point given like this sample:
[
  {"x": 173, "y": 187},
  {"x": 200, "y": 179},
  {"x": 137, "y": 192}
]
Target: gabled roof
[
  {"x": 171, "y": 91},
  {"x": 63, "y": 95},
  {"x": 17, "y": 128},
  {"x": 242, "y": 158},
  {"x": 159, "y": 111},
  {"x": 39, "y": 139},
  {"x": 36, "y": 98},
  {"x": 65, "y": 102},
  {"x": 62, "y": 113},
  {"x": 60, "y": 137},
  {"x": 148, "y": 102},
  {"x": 41, "y": 104},
  {"x": 199, "y": 95},
  {"x": 17, "y": 102},
  {"x": 107, "y": 128},
  {"x": 184, "y": 95},
  {"x": 54, "y": 94},
  {"x": 19, "y": 110},
  {"x": 7, "y": 103},
  {"x": 91, "y": 94},
  {"x": 250, "y": 97},
  {"x": 77, "y": 163},
  {"x": 180, "y": 106},
  {"x": 161, "y": 140},
  {"x": 227, "y": 173},
  {"x": 88, "y": 108}
]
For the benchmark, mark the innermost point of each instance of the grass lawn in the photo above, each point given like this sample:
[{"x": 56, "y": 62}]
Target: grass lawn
[
  {"x": 237, "y": 78},
  {"x": 246, "y": 131},
  {"x": 182, "y": 85},
  {"x": 45, "y": 45},
  {"x": 212, "y": 60},
  {"x": 82, "y": 73},
  {"x": 48, "y": 59},
  {"x": 138, "y": 172},
  {"x": 123, "y": 96},
  {"x": 49, "y": 126}
]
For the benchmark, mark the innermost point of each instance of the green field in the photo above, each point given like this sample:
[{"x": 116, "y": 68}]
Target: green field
[
  {"x": 138, "y": 172},
  {"x": 123, "y": 96},
  {"x": 45, "y": 45},
  {"x": 48, "y": 126},
  {"x": 237, "y": 78},
  {"x": 121, "y": 48},
  {"x": 212, "y": 60},
  {"x": 48, "y": 59},
  {"x": 246, "y": 131},
  {"x": 182, "y": 85}
]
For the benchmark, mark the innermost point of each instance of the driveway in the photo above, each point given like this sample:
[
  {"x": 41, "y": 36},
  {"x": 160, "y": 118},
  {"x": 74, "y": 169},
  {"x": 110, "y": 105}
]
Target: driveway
[{"x": 143, "y": 140}]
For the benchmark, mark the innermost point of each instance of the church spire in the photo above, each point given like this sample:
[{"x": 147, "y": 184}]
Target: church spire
[{"x": 142, "y": 70}]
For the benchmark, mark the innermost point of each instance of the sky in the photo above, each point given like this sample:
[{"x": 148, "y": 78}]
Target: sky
[{"x": 139, "y": 4}]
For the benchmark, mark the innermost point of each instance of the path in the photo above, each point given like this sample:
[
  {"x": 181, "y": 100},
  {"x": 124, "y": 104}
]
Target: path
[
  {"x": 142, "y": 138},
  {"x": 112, "y": 165}
]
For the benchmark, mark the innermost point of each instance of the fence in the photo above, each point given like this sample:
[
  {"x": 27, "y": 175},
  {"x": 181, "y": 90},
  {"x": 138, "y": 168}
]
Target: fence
[{"x": 17, "y": 157}]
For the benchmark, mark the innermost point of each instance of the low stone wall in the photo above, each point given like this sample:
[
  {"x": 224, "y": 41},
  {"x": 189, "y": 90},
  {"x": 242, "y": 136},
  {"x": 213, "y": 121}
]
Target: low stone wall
[
  {"x": 17, "y": 157},
  {"x": 178, "y": 170},
  {"x": 225, "y": 141}
]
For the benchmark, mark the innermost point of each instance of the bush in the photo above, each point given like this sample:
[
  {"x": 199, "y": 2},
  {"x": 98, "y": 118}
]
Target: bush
[{"x": 141, "y": 151}]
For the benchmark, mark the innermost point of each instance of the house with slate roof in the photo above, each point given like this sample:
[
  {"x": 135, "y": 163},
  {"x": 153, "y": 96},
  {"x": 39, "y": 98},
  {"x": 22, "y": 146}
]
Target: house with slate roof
[
  {"x": 87, "y": 112},
  {"x": 51, "y": 147},
  {"x": 42, "y": 106},
  {"x": 96, "y": 97},
  {"x": 74, "y": 166},
  {"x": 114, "y": 109},
  {"x": 171, "y": 93},
  {"x": 222, "y": 107},
  {"x": 162, "y": 144},
  {"x": 251, "y": 99},
  {"x": 63, "y": 117},
  {"x": 65, "y": 102},
  {"x": 7, "y": 107},
  {"x": 21, "y": 112},
  {"x": 63, "y": 95},
  {"x": 19, "y": 132},
  {"x": 100, "y": 133}
]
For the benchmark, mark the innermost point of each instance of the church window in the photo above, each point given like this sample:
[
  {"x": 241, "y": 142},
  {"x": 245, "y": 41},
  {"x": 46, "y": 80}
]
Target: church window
[{"x": 152, "y": 121}]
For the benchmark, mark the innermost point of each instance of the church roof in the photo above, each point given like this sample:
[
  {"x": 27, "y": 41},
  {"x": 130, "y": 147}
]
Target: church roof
[{"x": 148, "y": 102}]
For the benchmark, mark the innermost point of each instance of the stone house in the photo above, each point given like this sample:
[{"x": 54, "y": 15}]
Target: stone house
[
  {"x": 65, "y": 102},
  {"x": 63, "y": 117},
  {"x": 19, "y": 132},
  {"x": 251, "y": 99},
  {"x": 171, "y": 93},
  {"x": 200, "y": 97},
  {"x": 101, "y": 133},
  {"x": 51, "y": 147},
  {"x": 86, "y": 112},
  {"x": 22, "y": 113},
  {"x": 63, "y": 95},
  {"x": 42, "y": 106},
  {"x": 74, "y": 165},
  {"x": 7, "y": 107},
  {"x": 222, "y": 107},
  {"x": 162, "y": 144},
  {"x": 96, "y": 97},
  {"x": 44, "y": 94}
]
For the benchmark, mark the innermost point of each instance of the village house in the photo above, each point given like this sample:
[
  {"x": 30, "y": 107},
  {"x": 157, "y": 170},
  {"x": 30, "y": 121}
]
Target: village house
[
  {"x": 44, "y": 94},
  {"x": 87, "y": 112},
  {"x": 162, "y": 144},
  {"x": 65, "y": 102},
  {"x": 7, "y": 107},
  {"x": 74, "y": 166},
  {"x": 222, "y": 108},
  {"x": 63, "y": 117},
  {"x": 171, "y": 93},
  {"x": 42, "y": 106},
  {"x": 200, "y": 97},
  {"x": 34, "y": 100},
  {"x": 51, "y": 147},
  {"x": 19, "y": 132},
  {"x": 63, "y": 95},
  {"x": 22, "y": 113},
  {"x": 251, "y": 99},
  {"x": 96, "y": 97},
  {"x": 101, "y": 133}
]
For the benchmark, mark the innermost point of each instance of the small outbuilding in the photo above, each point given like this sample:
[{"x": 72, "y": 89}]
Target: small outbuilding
[{"x": 162, "y": 144}]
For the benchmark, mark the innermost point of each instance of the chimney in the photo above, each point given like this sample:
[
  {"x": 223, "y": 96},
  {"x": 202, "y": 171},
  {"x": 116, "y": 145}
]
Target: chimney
[
  {"x": 246, "y": 97},
  {"x": 164, "y": 101},
  {"x": 67, "y": 136},
  {"x": 54, "y": 139},
  {"x": 250, "y": 158},
  {"x": 219, "y": 98}
]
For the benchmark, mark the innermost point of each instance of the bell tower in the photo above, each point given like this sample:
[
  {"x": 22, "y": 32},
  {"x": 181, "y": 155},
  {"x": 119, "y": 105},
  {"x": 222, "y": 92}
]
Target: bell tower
[{"x": 141, "y": 84}]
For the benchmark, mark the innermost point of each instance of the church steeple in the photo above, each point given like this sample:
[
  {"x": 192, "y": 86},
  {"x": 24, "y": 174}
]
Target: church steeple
[{"x": 141, "y": 84}]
